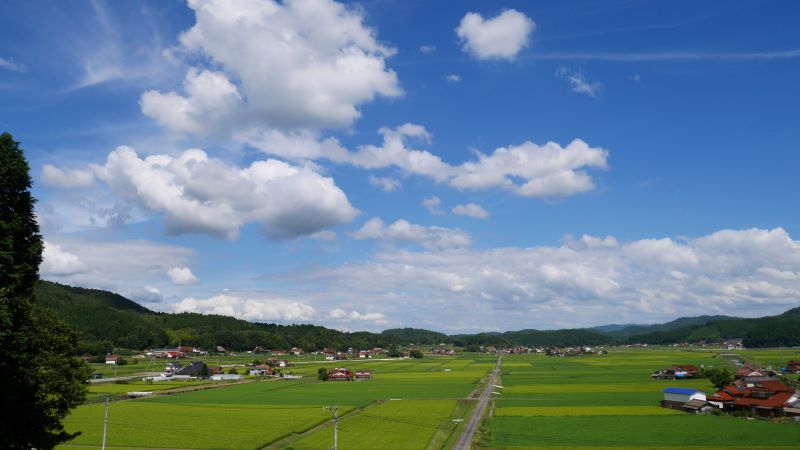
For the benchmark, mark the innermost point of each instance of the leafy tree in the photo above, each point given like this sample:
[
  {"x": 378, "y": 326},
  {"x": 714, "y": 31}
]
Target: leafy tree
[
  {"x": 204, "y": 372},
  {"x": 42, "y": 379},
  {"x": 233, "y": 371},
  {"x": 718, "y": 377},
  {"x": 415, "y": 354},
  {"x": 322, "y": 374}
]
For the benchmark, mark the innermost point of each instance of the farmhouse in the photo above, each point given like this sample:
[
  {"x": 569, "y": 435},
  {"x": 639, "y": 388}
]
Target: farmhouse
[
  {"x": 765, "y": 398},
  {"x": 261, "y": 370},
  {"x": 112, "y": 359},
  {"x": 277, "y": 362},
  {"x": 296, "y": 351},
  {"x": 733, "y": 344},
  {"x": 363, "y": 375},
  {"x": 793, "y": 366},
  {"x": 227, "y": 377},
  {"x": 172, "y": 367},
  {"x": 748, "y": 371},
  {"x": 364, "y": 354},
  {"x": 340, "y": 374},
  {"x": 676, "y": 398},
  {"x": 676, "y": 372},
  {"x": 215, "y": 370},
  {"x": 193, "y": 369}
]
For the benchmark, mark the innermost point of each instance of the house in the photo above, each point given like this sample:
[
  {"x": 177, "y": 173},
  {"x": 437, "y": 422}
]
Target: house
[
  {"x": 261, "y": 370},
  {"x": 221, "y": 350},
  {"x": 748, "y": 371},
  {"x": 765, "y": 398},
  {"x": 215, "y": 370},
  {"x": 733, "y": 344},
  {"x": 697, "y": 406},
  {"x": 193, "y": 369},
  {"x": 172, "y": 368},
  {"x": 363, "y": 375},
  {"x": 340, "y": 374},
  {"x": 793, "y": 366},
  {"x": 676, "y": 372},
  {"x": 296, "y": 351},
  {"x": 364, "y": 354},
  {"x": 330, "y": 357},
  {"x": 675, "y": 398},
  {"x": 112, "y": 359},
  {"x": 277, "y": 362}
]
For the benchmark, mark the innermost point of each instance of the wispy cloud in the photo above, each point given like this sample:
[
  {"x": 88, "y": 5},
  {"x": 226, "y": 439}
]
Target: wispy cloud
[
  {"x": 10, "y": 64},
  {"x": 667, "y": 56},
  {"x": 579, "y": 82}
]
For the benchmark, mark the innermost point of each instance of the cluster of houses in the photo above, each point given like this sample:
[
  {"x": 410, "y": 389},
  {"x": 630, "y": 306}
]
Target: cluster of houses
[
  {"x": 570, "y": 351},
  {"x": 345, "y": 374},
  {"x": 754, "y": 391},
  {"x": 182, "y": 351},
  {"x": 333, "y": 354}
]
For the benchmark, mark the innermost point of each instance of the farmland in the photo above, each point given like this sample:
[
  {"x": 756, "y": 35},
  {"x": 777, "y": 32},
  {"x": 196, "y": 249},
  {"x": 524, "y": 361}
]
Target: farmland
[
  {"x": 611, "y": 401},
  {"x": 584, "y": 401},
  {"x": 409, "y": 403}
]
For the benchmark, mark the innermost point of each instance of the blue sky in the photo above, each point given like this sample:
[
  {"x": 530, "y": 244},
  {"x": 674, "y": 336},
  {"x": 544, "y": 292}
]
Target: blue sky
[{"x": 458, "y": 166}]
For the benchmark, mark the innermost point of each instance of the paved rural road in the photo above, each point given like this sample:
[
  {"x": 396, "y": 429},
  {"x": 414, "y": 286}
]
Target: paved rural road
[{"x": 465, "y": 441}]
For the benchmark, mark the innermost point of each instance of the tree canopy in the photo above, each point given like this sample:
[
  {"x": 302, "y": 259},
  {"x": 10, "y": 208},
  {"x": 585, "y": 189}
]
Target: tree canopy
[{"x": 42, "y": 378}]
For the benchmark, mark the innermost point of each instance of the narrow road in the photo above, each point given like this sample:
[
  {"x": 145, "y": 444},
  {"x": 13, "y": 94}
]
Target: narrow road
[{"x": 465, "y": 441}]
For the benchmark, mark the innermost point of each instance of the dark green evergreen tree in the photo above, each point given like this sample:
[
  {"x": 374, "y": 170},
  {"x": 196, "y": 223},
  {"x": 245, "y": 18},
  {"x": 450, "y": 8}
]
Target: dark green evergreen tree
[{"x": 42, "y": 378}]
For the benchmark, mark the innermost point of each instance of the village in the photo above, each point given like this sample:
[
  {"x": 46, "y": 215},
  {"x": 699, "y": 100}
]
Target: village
[{"x": 749, "y": 391}]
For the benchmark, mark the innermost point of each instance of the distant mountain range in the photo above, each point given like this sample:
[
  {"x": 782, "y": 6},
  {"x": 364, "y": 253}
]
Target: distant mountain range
[{"x": 106, "y": 320}]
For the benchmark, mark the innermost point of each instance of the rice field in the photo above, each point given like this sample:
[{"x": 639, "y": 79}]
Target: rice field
[{"x": 611, "y": 401}]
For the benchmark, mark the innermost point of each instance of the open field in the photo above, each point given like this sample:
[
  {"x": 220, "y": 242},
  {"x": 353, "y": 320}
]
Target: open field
[
  {"x": 416, "y": 400},
  {"x": 611, "y": 401}
]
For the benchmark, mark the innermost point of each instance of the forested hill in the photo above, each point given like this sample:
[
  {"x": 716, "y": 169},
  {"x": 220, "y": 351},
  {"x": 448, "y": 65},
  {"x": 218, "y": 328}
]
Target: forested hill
[{"x": 106, "y": 320}]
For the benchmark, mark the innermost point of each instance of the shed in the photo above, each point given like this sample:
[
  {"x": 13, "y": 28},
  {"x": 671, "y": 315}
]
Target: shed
[{"x": 675, "y": 397}]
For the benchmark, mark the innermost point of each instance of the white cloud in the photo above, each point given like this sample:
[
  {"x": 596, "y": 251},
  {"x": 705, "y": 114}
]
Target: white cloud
[
  {"x": 10, "y": 64},
  {"x": 388, "y": 184},
  {"x": 182, "y": 276},
  {"x": 98, "y": 264},
  {"x": 501, "y": 37},
  {"x": 402, "y": 231},
  {"x": 434, "y": 206},
  {"x": 578, "y": 82},
  {"x": 584, "y": 282},
  {"x": 427, "y": 49},
  {"x": 66, "y": 179},
  {"x": 471, "y": 210},
  {"x": 296, "y": 64},
  {"x": 546, "y": 171},
  {"x": 528, "y": 169},
  {"x": 453, "y": 78},
  {"x": 198, "y": 194},
  {"x": 58, "y": 262},
  {"x": 341, "y": 314},
  {"x": 252, "y": 309}
]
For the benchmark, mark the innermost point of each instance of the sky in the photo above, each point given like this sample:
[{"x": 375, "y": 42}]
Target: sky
[{"x": 456, "y": 166}]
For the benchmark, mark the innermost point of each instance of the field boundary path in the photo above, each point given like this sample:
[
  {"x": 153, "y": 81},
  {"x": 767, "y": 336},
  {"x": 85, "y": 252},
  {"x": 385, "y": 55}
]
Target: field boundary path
[{"x": 465, "y": 441}]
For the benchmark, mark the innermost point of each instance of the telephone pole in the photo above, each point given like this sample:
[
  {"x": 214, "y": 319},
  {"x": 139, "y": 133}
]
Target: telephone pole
[
  {"x": 335, "y": 411},
  {"x": 105, "y": 422}
]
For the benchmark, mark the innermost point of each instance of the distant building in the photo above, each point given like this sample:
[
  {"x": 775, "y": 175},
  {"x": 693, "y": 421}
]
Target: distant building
[
  {"x": 193, "y": 369},
  {"x": 363, "y": 375},
  {"x": 676, "y": 372},
  {"x": 340, "y": 374},
  {"x": 112, "y": 359},
  {"x": 675, "y": 398},
  {"x": 261, "y": 370},
  {"x": 227, "y": 377}
]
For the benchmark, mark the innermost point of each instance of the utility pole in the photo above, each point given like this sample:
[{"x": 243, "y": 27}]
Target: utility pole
[
  {"x": 335, "y": 411},
  {"x": 105, "y": 422}
]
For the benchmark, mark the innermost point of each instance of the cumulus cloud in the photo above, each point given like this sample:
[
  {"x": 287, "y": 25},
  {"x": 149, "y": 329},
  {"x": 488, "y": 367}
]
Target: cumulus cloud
[
  {"x": 66, "y": 179},
  {"x": 453, "y": 78},
  {"x": 434, "y": 206},
  {"x": 582, "y": 282},
  {"x": 528, "y": 169},
  {"x": 182, "y": 276},
  {"x": 58, "y": 262},
  {"x": 402, "y": 231},
  {"x": 295, "y": 64},
  {"x": 252, "y": 309},
  {"x": 341, "y": 314},
  {"x": 471, "y": 210},
  {"x": 501, "y": 37},
  {"x": 199, "y": 194},
  {"x": 388, "y": 184},
  {"x": 97, "y": 264},
  {"x": 578, "y": 82}
]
